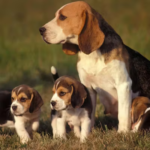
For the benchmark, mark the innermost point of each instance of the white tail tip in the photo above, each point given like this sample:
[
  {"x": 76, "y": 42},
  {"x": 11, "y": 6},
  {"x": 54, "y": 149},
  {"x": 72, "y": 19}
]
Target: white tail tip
[{"x": 53, "y": 70}]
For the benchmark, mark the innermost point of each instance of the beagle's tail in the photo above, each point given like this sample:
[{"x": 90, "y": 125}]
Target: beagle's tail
[{"x": 54, "y": 73}]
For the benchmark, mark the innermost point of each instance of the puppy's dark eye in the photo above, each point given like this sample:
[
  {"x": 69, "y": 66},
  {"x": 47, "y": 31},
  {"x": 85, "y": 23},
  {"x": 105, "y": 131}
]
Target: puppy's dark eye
[
  {"x": 12, "y": 98},
  {"x": 62, "y": 17},
  {"x": 62, "y": 93},
  {"x": 22, "y": 99}
]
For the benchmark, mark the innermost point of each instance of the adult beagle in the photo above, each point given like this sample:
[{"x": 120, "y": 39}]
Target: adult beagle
[
  {"x": 140, "y": 114},
  {"x": 21, "y": 109},
  {"x": 70, "y": 103},
  {"x": 106, "y": 66}
]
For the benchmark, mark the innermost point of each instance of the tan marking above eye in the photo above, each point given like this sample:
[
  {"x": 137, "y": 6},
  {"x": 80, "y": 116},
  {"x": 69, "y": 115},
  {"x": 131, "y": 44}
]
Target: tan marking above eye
[
  {"x": 22, "y": 95},
  {"x": 63, "y": 89},
  {"x": 13, "y": 96}
]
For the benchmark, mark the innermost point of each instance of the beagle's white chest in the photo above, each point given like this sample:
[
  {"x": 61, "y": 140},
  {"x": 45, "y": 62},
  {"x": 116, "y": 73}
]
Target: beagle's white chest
[
  {"x": 94, "y": 73},
  {"x": 97, "y": 75}
]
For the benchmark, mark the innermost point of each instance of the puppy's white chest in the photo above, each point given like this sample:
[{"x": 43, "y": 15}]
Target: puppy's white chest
[
  {"x": 74, "y": 120},
  {"x": 72, "y": 116}
]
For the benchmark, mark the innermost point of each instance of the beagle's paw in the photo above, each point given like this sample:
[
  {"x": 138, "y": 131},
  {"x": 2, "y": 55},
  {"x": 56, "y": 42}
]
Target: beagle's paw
[{"x": 25, "y": 139}]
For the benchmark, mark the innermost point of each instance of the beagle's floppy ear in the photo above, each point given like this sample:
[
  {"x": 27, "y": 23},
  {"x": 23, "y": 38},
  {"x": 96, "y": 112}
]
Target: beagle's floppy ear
[
  {"x": 91, "y": 37},
  {"x": 79, "y": 94},
  {"x": 36, "y": 102},
  {"x": 70, "y": 49}
]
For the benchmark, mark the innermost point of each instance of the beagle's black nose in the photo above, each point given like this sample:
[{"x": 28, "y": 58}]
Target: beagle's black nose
[
  {"x": 53, "y": 103},
  {"x": 14, "y": 107},
  {"x": 42, "y": 30}
]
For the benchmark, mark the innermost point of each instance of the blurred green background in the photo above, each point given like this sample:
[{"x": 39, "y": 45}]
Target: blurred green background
[{"x": 26, "y": 58}]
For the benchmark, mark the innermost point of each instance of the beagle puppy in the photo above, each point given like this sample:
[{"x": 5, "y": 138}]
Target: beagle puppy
[
  {"x": 140, "y": 114},
  {"x": 25, "y": 107},
  {"x": 106, "y": 66},
  {"x": 70, "y": 103}
]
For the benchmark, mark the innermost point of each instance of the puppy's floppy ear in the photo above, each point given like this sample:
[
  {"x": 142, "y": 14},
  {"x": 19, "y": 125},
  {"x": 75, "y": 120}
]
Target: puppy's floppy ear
[
  {"x": 91, "y": 37},
  {"x": 79, "y": 94},
  {"x": 36, "y": 102}
]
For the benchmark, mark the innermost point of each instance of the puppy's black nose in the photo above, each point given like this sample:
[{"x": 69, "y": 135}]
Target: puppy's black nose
[
  {"x": 53, "y": 103},
  {"x": 14, "y": 107},
  {"x": 42, "y": 30}
]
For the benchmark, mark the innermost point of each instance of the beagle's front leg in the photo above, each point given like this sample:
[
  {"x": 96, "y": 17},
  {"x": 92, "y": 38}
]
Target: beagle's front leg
[
  {"x": 77, "y": 131},
  {"x": 124, "y": 106},
  {"x": 123, "y": 86},
  {"x": 54, "y": 125},
  {"x": 85, "y": 129},
  {"x": 61, "y": 128},
  {"x": 33, "y": 127},
  {"x": 21, "y": 130}
]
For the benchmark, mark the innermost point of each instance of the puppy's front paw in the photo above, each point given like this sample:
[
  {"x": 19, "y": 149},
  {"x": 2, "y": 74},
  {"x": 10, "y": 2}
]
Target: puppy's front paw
[
  {"x": 63, "y": 137},
  {"x": 77, "y": 131},
  {"x": 55, "y": 135},
  {"x": 25, "y": 139},
  {"x": 82, "y": 140}
]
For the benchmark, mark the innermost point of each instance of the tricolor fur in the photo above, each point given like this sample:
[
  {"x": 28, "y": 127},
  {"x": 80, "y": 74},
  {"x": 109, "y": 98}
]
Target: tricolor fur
[
  {"x": 106, "y": 66},
  {"x": 25, "y": 107},
  {"x": 70, "y": 103}
]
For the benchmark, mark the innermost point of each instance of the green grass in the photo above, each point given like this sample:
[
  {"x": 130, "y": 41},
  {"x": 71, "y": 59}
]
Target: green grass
[{"x": 26, "y": 59}]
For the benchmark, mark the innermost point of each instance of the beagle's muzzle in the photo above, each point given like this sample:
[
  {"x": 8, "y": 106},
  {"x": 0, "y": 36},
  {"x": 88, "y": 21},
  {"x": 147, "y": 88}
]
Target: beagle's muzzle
[{"x": 70, "y": 103}]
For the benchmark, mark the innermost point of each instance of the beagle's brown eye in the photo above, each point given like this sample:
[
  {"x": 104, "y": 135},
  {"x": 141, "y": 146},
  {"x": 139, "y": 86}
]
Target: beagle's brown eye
[
  {"x": 12, "y": 98},
  {"x": 22, "y": 99},
  {"x": 62, "y": 17},
  {"x": 62, "y": 93}
]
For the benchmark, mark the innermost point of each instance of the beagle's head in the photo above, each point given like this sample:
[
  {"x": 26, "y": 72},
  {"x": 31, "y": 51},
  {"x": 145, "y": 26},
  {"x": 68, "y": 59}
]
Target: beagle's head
[
  {"x": 140, "y": 113},
  {"x": 77, "y": 26},
  {"x": 68, "y": 93},
  {"x": 24, "y": 100}
]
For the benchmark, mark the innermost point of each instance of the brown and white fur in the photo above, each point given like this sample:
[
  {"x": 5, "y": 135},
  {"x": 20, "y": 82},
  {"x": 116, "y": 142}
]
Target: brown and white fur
[
  {"x": 106, "y": 66},
  {"x": 25, "y": 107},
  {"x": 140, "y": 114},
  {"x": 70, "y": 103}
]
